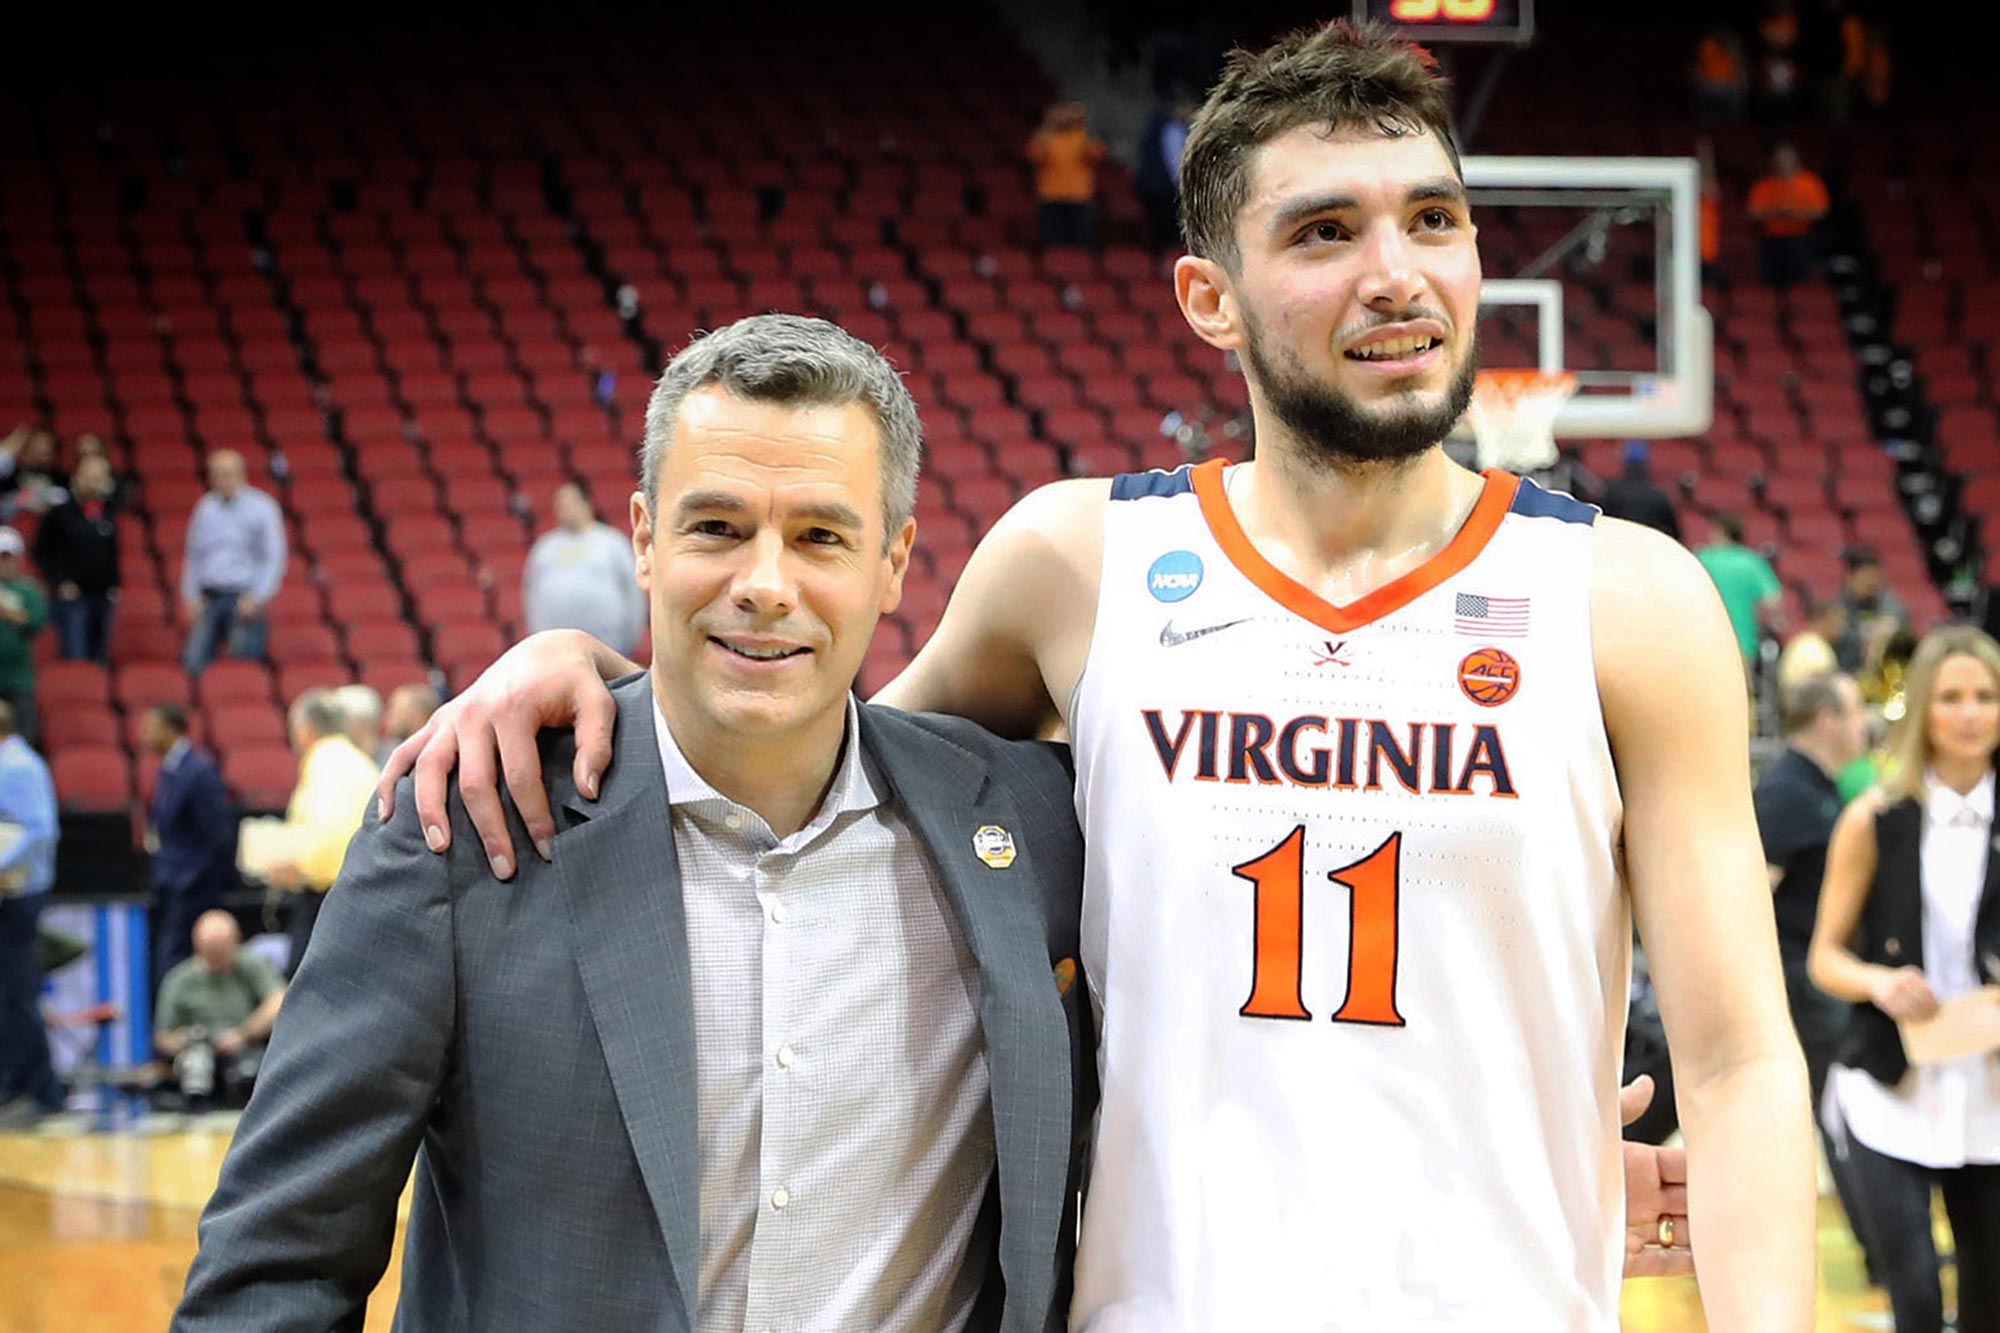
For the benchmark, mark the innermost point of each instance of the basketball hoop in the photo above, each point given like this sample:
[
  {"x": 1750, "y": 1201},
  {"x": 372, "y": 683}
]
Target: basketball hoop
[{"x": 1513, "y": 416}]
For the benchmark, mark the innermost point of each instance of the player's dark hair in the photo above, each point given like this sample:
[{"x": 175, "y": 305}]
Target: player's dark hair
[
  {"x": 172, "y": 716},
  {"x": 1341, "y": 76}
]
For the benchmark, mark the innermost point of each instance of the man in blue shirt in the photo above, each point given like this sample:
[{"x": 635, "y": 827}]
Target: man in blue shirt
[
  {"x": 235, "y": 562},
  {"x": 28, "y": 1086}
]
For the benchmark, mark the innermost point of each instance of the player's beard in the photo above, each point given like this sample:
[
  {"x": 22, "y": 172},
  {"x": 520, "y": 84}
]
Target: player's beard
[{"x": 1337, "y": 433}]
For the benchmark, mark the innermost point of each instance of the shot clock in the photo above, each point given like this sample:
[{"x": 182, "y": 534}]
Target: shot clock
[{"x": 1511, "y": 21}]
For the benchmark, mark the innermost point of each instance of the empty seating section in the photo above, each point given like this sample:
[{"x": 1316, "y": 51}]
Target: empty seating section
[
  {"x": 1928, "y": 191},
  {"x": 416, "y": 312}
]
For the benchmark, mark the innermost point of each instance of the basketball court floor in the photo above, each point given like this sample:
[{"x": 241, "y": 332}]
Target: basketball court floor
[{"x": 96, "y": 1232}]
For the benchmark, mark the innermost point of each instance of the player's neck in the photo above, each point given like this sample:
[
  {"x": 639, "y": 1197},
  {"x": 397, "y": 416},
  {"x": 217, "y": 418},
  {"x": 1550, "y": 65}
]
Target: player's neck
[{"x": 1345, "y": 533}]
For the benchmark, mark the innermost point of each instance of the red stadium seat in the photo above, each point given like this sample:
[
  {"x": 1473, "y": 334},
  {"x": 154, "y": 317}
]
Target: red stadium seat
[
  {"x": 78, "y": 724},
  {"x": 92, "y": 778},
  {"x": 261, "y": 776},
  {"x": 72, "y": 684}
]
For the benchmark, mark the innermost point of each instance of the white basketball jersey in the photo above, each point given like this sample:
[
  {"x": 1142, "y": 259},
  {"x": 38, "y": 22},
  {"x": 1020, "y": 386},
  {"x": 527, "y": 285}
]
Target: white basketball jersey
[{"x": 1355, "y": 932}]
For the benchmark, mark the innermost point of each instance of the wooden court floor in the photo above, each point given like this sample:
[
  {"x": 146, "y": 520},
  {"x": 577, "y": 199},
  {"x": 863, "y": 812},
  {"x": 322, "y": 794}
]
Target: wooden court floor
[{"x": 96, "y": 1232}]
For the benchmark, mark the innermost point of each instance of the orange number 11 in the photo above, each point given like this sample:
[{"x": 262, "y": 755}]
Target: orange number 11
[{"x": 1278, "y": 957}]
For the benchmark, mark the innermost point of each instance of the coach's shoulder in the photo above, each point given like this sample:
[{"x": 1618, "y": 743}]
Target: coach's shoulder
[{"x": 1006, "y": 760}]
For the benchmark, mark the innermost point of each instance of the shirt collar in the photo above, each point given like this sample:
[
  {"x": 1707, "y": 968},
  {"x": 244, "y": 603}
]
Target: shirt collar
[
  {"x": 1947, "y": 807},
  {"x": 854, "y": 787},
  {"x": 176, "y": 753}
]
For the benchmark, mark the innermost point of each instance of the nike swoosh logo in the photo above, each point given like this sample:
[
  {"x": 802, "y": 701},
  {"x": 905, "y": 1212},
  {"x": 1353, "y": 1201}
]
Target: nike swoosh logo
[{"x": 1170, "y": 637}]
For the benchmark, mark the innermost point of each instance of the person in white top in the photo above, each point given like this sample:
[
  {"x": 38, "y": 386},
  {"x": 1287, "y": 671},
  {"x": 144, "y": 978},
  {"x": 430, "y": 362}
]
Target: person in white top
[
  {"x": 1909, "y": 920},
  {"x": 1333, "y": 249},
  {"x": 579, "y": 576}
]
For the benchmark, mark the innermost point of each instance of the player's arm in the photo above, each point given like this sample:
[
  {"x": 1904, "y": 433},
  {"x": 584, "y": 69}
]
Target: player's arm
[
  {"x": 1677, "y": 719},
  {"x": 1900, "y": 992},
  {"x": 1011, "y": 643},
  {"x": 551, "y": 679}
]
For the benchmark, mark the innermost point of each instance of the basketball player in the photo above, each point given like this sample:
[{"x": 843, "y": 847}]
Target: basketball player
[{"x": 1377, "y": 759}]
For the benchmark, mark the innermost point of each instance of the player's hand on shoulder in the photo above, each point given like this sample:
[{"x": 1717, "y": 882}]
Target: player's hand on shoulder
[{"x": 551, "y": 679}]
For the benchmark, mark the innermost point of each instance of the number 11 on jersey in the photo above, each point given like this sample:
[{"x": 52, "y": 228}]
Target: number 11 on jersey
[{"x": 1278, "y": 956}]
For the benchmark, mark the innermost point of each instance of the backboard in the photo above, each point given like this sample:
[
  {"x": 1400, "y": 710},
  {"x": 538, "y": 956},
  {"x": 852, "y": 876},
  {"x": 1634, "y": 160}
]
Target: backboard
[{"x": 1593, "y": 266}]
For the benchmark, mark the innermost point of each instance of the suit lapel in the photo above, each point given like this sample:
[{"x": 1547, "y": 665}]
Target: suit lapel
[
  {"x": 621, "y": 883},
  {"x": 944, "y": 792}
]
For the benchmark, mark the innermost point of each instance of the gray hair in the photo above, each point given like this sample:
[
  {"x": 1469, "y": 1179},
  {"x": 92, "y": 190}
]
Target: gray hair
[
  {"x": 319, "y": 712},
  {"x": 793, "y": 360},
  {"x": 357, "y": 702}
]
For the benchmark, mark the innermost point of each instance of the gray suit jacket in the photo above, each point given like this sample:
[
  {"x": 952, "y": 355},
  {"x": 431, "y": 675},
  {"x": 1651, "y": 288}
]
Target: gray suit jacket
[{"x": 535, "y": 1040}]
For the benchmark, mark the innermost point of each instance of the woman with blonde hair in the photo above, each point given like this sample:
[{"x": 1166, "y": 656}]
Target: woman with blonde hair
[{"x": 1909, "y": 920}]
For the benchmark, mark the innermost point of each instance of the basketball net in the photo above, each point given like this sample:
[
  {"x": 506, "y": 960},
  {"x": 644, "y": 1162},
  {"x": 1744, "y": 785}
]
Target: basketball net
[{"x": 1513, "y": 417}]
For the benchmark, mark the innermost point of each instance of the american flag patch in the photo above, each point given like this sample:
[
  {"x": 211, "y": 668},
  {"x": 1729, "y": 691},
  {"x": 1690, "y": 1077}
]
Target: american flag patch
[{"x": 1494, "y": 617}]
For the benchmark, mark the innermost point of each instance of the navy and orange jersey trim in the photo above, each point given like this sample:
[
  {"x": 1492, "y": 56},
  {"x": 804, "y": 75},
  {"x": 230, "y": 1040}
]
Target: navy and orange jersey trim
[
  {"x": 1149, "y": 485},
  {"x": 1493, "y": 505},
  {"x": 1532, "y": 501}
]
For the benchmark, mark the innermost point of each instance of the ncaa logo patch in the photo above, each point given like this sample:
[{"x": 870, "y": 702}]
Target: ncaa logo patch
[
  {"x": 1489, "y": 677},
  {"x": 1174, "y": 576}
]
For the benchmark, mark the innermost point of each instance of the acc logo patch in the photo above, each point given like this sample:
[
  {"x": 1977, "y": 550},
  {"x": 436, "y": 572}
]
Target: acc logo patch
[
  {"x": 1489, "y": 677},
  {"x": 1174, "y": 576},
  {"x": 994, "y": 845}
]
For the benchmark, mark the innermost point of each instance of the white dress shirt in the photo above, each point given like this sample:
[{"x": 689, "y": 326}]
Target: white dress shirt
[
  {"x": 845, "y": 1112},
  {"x": 1941, "y": 1115}
]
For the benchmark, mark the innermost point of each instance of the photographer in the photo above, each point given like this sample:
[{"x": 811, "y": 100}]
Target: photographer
[{"x": 215, "y": 1014}]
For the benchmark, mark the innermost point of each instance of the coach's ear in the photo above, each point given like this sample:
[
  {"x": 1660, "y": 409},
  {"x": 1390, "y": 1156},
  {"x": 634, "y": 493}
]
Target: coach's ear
[{"x": 1202, "y": 288}]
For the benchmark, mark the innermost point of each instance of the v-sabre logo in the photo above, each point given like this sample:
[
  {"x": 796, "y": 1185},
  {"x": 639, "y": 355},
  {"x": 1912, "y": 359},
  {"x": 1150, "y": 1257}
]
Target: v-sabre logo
[
  {"x": 1171, "y": 637},
  {"x": 1174, "y": 576}
]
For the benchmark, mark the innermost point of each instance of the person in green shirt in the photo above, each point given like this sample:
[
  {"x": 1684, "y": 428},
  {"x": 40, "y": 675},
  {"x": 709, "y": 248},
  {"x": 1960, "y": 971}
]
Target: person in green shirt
[
  {"x": 1749, "y": 586},
  {"x": 215, "y": 1013},
  {"x": 24, "y": 609}
]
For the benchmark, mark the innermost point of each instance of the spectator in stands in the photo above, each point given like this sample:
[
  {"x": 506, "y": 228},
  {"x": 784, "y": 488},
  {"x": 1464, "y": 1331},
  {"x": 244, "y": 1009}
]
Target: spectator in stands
[
  {"x": 361, "y": 716},
  {"x": 1878, "y": 69},
  {"x": 1635, "y": 496},
  {"x": 1065, "y": 156},
  {"x": 1159, "y": 175},
  {"x": 28, "y": 1085},
  {"x": 1749, "y": 586},
  {"x": 579, "y": 575},
  {"x": 1721, "y": 88},
  {"x": 1797, "y": 800},
  {"x": 76, "y": 548},
  {"x": 215, "y": 1014},
  {"x": 335, "y": 781},
  {"x": 24, "y": 609},
  {"x": 31, "y": 476},
  {"x": 235, "y": 562},
  {"x": 191, "y": 833},
  {"x": 1710, "y": 208},
  {"x": 1778, "y": 62},
  {"x": 410, "y": 706},
  {"x": 1903, "y": 929},
  {"x": 1874, "y": 611},
  {"x": 1787, "y": 205},
  {"x": 1810, "y": 652}
]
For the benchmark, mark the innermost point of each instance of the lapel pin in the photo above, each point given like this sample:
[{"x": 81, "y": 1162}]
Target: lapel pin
[{"x": 994, "y": 845}]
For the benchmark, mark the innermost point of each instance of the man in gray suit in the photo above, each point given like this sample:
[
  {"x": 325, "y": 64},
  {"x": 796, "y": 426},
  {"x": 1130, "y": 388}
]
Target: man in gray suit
[{"x": 801, "y": 1046}]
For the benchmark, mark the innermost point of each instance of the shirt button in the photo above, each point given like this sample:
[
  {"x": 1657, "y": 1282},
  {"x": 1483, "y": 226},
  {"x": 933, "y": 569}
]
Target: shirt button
[
  {"x": 781, "y": 1198},
  {"x": 785, "y": 1057},
  {"x": 733, "y": 820},
  {"x": 777, "y": 914}
]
